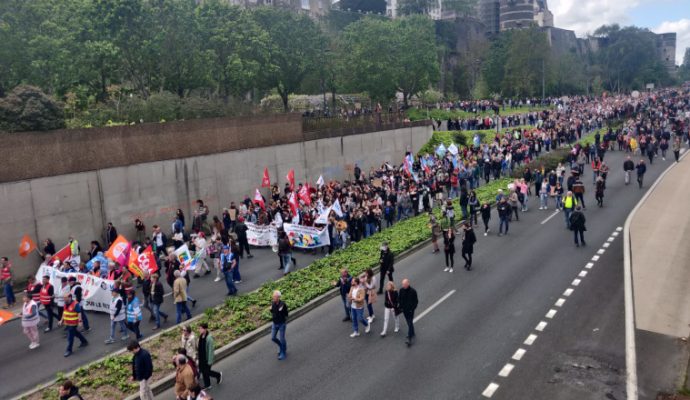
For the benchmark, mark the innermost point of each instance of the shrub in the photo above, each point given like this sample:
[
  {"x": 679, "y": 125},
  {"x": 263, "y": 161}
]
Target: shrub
[{"x": 27, "y": 108}]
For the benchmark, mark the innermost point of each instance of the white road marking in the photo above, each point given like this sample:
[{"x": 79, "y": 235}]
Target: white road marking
[
  {"x": 540, "y": 326},
  {"x": 601, "y": 251},
  {"x": 518, "y": 354},
  {"x": 589, "y": 265},
  {"x": 620, "y": 228},
  {"x": 595, "y": 258},
  {"x": 610, "y": 239},
  {"x": 576, "y": 282},
  {"x": 568, "y": 292},
  {"x": 582, "y": 273},
  {"x": 549, "y": 217},
  {"x": 530, "y": 339},
  {"x": 560, "y": 302},
  {"x": 428, "y": 310},
  {"x": 490, "y": 390},
  {"x": 606, "y": 245},
  {"x": 551, "y": 313},
  {"x": 614, "y": 234},
  {"x": 505, "y": 371}
]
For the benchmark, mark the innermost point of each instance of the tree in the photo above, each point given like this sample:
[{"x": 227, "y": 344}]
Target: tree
[
  {"x": 27, "y": 108},
  {"x": 416, "y": 62},
  {"x": 411, "y": 7},
  {"x": 684, "y": 71},
  {"x": 292, "y": 49}
]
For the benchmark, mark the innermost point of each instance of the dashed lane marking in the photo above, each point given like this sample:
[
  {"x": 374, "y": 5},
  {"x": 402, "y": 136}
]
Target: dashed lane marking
[
  {"x": 505, "y": 371},
  {"x": 490, "y": 390},
  {"x": 576, "y": 282},
  {"x": 530, "y": 339},
  {"x": 606, "y": 245},
  {"x": 589, "y": 265},
  {"x": 582, "y": 273},
  {"x": 595, "y": 258},
  {"x": 540, "y": 326},
  {"x": 551, "y": 313},
  {"x": 618, "y": 229},
  {"x": 568, "y": 292},
  {"x": 601, "y": 251},
  {"x": 559, "y": 302},
  {"x": 610, "y": 239},
  {"x": 519, "y": 354}
]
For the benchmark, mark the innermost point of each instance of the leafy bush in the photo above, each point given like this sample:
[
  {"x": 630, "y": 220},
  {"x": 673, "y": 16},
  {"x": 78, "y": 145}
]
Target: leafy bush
[{"x": 27, "y": 108}]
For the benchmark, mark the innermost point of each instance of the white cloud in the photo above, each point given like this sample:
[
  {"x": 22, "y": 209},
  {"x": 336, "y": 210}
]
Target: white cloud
[
  {"x": 585, "y": 16},
  {"x": 682, "y": 29}
]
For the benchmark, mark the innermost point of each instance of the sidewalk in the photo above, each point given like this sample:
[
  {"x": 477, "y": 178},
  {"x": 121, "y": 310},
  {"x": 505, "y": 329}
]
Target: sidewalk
[{"x": 661, "y": 256}]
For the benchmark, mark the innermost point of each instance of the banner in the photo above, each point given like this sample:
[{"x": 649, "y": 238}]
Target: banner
[
  {"x": 95, "y": 291},
  {"x": 262, "y": 235},
  {"x": 306, "y": 237},
  {"x": 184, "y": 256}
]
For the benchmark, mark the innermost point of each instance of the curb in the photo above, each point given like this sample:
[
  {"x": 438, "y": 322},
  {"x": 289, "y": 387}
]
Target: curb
[
  {"x": 630, "y": 347},
  {"x": 236, "y": 345}
]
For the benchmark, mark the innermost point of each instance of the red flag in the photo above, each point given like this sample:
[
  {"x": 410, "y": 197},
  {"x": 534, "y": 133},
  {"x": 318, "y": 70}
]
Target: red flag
[
  {"x": 258, "y": 199},
  {"x": 62, "y": 255},
  {"x": 26, "y": 246},
  {"x": 304, "y": 195},
  {"x": 291, "y": 179},
  {"x": 294, "y": 205},
  {"x": 147, "y": 260},
  {"x": 266, "y": 181}
]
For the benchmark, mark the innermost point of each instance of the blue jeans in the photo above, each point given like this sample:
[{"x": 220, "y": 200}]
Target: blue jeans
[
  {"x": 346, "y": 305},
  {"x": 84, "y": 320},
  {"x": 9, "y": 295},
  {"x": 123, "y": 328},
  {"x": 236, "y": 273},
  {"x": 72, "y": 332},
  {"x": 287, "y": 262},
  {"x": 279, "y": 330},
  {"x": 559, "y": 201},
  {"x": 229, "y": 282},
  {"x": 504, "y": 222},
  {"x": 567, "y": 213},
  {"x": 181, "y": 307},
  {"x": 189, "y": 298},
  {"x": 544, "y": 198},
  {"x": 157, "y": 313},
  {"x": 357, "y": 316}
]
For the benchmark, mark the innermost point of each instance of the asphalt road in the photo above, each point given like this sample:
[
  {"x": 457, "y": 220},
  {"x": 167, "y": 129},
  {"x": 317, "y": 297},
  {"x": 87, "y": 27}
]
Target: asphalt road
[
  {"x": 464, "y": 342},
  {"x": 46, "y": 361}
]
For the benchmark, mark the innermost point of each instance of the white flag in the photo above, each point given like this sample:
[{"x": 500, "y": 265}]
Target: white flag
[
  {"x": 320, "y": 182},
  {"x": 323, "y": 217},
  {"x": 337, "y": 209},
  {"x": 453, "y": 149}
]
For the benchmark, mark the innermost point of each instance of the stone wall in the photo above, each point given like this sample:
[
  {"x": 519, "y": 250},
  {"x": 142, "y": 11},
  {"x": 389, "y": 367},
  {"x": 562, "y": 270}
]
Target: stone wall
[{"x": 81, "y": 202}]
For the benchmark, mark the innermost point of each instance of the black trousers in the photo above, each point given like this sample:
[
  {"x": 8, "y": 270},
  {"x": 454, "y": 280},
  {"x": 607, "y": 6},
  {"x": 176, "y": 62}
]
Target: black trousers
[
  {"x": 207, "y": 373},
  {"x": 51, "y": 314},
  {"x": 577, "y": 232},
  {"x": 450, "y": 255},
  {"x": 467, "y": 257},
  {"x": 409, "y": 319},
  {"x": 244, "y": 246},
  {"x": 384, "y": 272}
]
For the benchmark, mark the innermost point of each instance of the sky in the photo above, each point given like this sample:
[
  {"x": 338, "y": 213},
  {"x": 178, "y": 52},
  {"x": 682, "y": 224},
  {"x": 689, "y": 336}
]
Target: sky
[{"x": 660, "y": 16}]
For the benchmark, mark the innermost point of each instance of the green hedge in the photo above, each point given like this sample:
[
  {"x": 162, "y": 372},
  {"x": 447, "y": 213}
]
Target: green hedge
[{"x": 418, "y": 114}]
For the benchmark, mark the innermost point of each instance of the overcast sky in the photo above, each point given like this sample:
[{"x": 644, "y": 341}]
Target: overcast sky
[{"x": 585, "y": 16}]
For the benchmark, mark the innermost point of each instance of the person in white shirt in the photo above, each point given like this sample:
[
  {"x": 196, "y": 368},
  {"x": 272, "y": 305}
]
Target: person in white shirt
[
  {"x": 201, "y": 253},
  {"x": 30, "y": 320}
]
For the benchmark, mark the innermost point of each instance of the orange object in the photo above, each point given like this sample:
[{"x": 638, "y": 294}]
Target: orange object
[
  {"x": 119, "y": 250},
  {"x": 5, "y": 316},
  {"x": 26, "y": 246}
]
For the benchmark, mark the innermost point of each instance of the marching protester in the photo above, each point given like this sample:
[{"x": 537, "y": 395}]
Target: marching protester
[
  {"x": 356, "y": 299},
  {"x": 180, "y": 296},
  {"x": 369, "y": 281},
  {"x": 577, "y": 225},
  {"x": 117, "y": 316},
  {"x": 142, "y": 369},
  {"x": 468, "y": 241},
  {"x": 386, "y": 261},
  {"x": 641, "y": 170},
  {"x": 46, "y": 296},
  {"x": 435, "y": 233},
  {"x": 70, "y": 319},
  {"x": 30, "y": 320},
  {"x": 134, "y": 314},
  {"x": 485, "y": 210},
  {"x": 449, "y": 248},
  {"x": 77, "y": 294},
  {"x": 344, "y": 283},
  {"x": 407, "y": 301},
  {"x": 279, "y": 316},
  {"x": 189, "y": 342},
  {"x": 206, "y": 355},
  {"x": 7, "y": 284},
  {"x": 157, "y": 292},
  {"x": 391, "y": 307}
]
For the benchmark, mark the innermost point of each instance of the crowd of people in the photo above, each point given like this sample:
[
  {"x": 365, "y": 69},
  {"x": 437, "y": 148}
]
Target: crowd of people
[{"x": 370, "y": 202}]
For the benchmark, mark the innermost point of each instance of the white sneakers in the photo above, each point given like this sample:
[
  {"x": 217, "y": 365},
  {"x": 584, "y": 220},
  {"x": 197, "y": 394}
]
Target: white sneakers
[
  {"x": 451, "y": 270},
  {"x": 396, "y": 329},
  {"x": 446, "y": 269},
  {"x": 368, "y": 328},
  {"x": 217, "y": 279},
  {"x": 354, "y": 334},
  {"x": 33, "y": 346}
]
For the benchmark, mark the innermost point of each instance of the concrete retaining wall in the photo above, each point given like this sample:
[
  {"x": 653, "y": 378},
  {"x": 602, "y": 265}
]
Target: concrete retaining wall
[{"x": 82, "y": 203}]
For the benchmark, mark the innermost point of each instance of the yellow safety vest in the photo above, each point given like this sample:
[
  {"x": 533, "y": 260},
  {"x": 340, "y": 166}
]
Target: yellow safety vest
[{"x": 69, "y": 316}]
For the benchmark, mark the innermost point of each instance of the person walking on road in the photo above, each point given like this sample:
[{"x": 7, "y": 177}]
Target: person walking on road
[
  {"x": 504, "y": 211},
  {"x": 180, "y": 296},
  {"x": 356, "y": 298},
  {"x": 390, "y": 308},
  {"x": 386, "y": 260},
  {"x": 468, "y": 241},
  {"x": 641, "y": 168},
  {"x": 134, "y": 314},
  {"x": 117, "y": 316},
  {"x": 6, "y": 278},
  {"x": 579, "y": 190},
  {"x": 77, "y": 295},
  {"x": 369, "y": 283},
  {"x": 30, "y": 320},
  {"x": 577, "y": 225},
  {"x": 142, "y": 369},
  {"x": 70, "y": 319},
  {"x": 279, "y": 316},
  {"x": 206, "y": 356},
  {"x": 599, "y": 191},
  {"x": 628, "y": 168},
  {"x": 184, "y": 378},
  {"x": 343, "y": 284},
  {"x": 486, "y": 216},
  {"x": 408, "y": 301},
  {"x": 189, "y": 343},
  {"x": 676, "y": 148},
  {"x": 46, "y": 296},
  {"x": 227, "y": 263},
  {"x": 449, "y": 248},
  {"x": 569, "y": 203},
  {"x": 435, "y": 233},
  {"x": 157, "y": 292}
]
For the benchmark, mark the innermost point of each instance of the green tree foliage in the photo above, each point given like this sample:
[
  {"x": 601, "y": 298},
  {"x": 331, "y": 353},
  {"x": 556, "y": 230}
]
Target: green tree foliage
[
  {"x": 387, "y": 56},
  {"x": 684, "y": 71},
  {"x": 27, "y": 108},
  {"x": 294, "y": 40}
]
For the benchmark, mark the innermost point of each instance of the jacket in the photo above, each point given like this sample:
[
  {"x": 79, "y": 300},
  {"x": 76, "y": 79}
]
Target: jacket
[
  {"x": 279, "y": 312},
  {"x": 407, "y": 300},
  {"x": 180, "y": 290},
  {"x": 344, "y": 285},
  {"x": 358, "y": 300},
  {"x": 142, "y": 365},
  {"x": 157, "y": 292},
  {"x": 184, "y": 380},
  {"x": 577, "y": 221},
  {"x": 628, "y": 165},
  {"x": 386, "y": 259},
  {"x": 190, "y": 344},
  {"x": 391, "y": 299},
  {"x": 207, "y": 348},
  {"x": 468, "y": 241}
]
